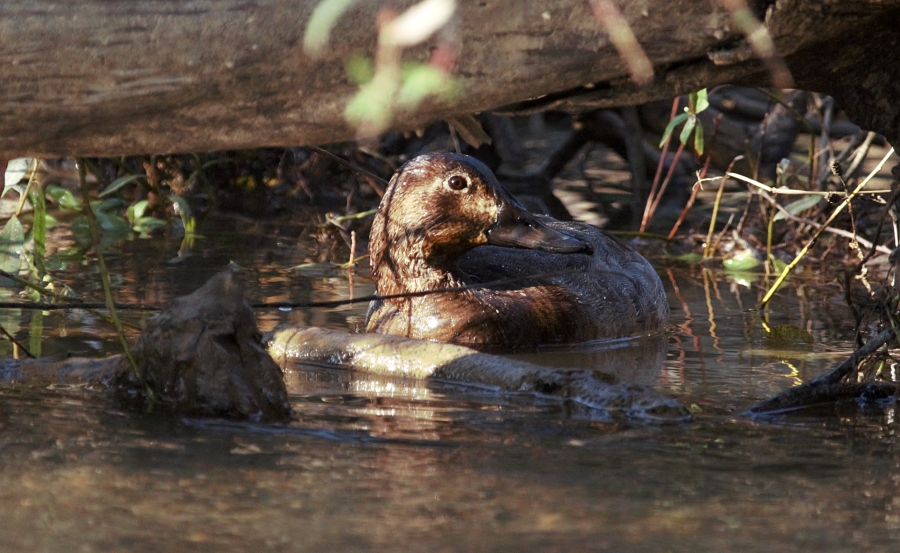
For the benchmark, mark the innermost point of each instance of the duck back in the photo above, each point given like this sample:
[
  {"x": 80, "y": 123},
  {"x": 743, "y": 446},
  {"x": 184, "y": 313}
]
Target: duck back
[{"x": 611, "y": 293}]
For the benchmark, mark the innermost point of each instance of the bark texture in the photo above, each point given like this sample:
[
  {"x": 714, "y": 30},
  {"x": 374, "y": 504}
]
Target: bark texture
[{"x": 115, "y": 77}]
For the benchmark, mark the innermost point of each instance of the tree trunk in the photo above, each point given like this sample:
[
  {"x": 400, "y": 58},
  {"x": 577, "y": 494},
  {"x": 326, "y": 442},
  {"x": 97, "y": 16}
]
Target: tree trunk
[{"x": 117, "y": 77}]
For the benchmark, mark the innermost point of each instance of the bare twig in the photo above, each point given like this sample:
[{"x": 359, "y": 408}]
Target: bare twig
[
  {"x": 70, "y": 302},
  {"x": 15, "y": 342},
  {"x": 353, "y": 167},
  {"x": 888, "y": 211},
  {"x": 800, "y": 395},
  {"x": 861, "y": 154},
  {"x": 827, "y": 108},
  {"x": 659, "y": 169},
  {"x": 104, "y": 276},
  {"x": 292, "y": 305},
  {"x": 760, "y": 42},
  {"x": 715, "y": 213},
  {"x": 839, "y": 232},
  {"x": 624, "y": 41},
  {"x": 794, "y": 192},
  {"x": 352, "y": 250},
  {"x": 790, "y": 267},
  {"x": 702, "y": 175},
  {"x": 665, "y": 184}
]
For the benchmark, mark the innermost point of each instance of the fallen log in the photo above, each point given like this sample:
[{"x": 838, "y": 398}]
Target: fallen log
[
  {"x": 395, "y": 356},
  {"x": 128, "y": 77}
]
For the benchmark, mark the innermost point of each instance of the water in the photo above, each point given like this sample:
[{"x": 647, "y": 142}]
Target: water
[{"x": 377, "y": 465}]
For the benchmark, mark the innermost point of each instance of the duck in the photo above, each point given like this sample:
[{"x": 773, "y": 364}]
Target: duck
[{"x": 456, "y": 259}]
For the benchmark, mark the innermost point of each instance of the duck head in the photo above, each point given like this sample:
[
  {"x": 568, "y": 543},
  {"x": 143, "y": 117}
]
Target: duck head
[{"x": 439, "y": 206}]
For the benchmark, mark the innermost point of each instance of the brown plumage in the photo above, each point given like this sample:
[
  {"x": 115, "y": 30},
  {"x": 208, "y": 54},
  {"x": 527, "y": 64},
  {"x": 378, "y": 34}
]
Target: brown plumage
[{"x": 446, "y": 222}]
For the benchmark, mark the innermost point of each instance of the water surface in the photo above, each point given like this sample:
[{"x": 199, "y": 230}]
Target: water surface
[{"x": 378, "y": 465}]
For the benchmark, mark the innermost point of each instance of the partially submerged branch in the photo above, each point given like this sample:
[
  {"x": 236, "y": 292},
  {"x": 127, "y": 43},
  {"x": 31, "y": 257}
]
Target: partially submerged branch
[
  {"x": 829, "y": 387},
  {"x": 395, "y": 356}
]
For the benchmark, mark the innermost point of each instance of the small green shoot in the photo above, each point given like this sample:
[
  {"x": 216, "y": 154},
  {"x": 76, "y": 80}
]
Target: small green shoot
[{"x": 697, "y": 103}]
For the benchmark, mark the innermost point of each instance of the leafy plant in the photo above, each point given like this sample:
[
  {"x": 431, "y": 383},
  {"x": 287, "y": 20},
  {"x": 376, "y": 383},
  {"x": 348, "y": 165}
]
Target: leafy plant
[
  {"x": 386, "y": 85},
  {"x": 697, "y": 103}
]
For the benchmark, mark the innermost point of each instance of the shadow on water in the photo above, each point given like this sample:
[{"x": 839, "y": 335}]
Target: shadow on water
[{"x": 379, "y": 464}]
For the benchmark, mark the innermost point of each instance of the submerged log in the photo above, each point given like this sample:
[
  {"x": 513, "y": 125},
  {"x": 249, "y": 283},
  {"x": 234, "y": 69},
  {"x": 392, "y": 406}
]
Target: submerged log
[
  {"x": 116, "y": 77},
  {"x": 395, "y": 356}
]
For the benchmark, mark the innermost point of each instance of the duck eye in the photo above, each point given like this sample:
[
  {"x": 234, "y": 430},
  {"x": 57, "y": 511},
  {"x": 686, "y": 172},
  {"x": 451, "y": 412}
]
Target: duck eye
[{"x": 457, "y": 182}]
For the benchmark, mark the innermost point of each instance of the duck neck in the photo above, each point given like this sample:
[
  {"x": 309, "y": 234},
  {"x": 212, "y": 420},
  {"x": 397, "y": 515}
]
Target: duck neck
[{"x": 406, "y": 267}]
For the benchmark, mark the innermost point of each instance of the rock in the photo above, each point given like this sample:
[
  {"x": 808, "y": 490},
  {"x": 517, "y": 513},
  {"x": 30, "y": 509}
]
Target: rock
[{"x": 203, "y": 356}]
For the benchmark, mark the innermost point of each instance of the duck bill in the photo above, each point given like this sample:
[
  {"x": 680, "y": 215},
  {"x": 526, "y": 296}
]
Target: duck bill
[{"x": 515, "y": 227}]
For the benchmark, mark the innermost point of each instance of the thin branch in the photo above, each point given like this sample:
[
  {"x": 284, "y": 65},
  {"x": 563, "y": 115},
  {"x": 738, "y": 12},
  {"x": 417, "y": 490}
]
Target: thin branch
[
  {"x": 15, "y": 342},
  {"x": 352, "y": 167},
  {"x": 795, "y": 192},
  {"x": 104, "y": 275},
  {"x": 790, "y": 267},
  {"x": 288, "y": 304},
  {"x": 839, "y": 232}
]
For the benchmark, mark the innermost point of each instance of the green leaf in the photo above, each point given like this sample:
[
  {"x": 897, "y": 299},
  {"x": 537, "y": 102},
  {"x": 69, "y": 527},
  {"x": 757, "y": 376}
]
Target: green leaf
[
  {"x": 743, "y": 278},
  {"x": 688, "y": 127},
  {"x": 63, "y": 198},
  {"x": 219, "y": 161},
  {"x": 60, "y": 259},
  {"x": 39, "y": 228},
  {"x": 119, "y": 183},
  {"x": 369, "y": 106},
  {"x": 741, "y": 263},
  {"x": 12, "y": 244},
  {"x": 35, "y": 332},
  {"x": 421, "y": 81},
  {"x": 184, "y": 211},
  {"x": 690, "y": 258},
  {"x": 181, "y": 207},
  {"x": 798, "y": 206},
  {"x": 112, "y": 224},
  {"x": 778, "y": 265},
  {"x": 146, "y": 225},
  {"x": 107, "y": 205},
  {"x": 321, "y": 22},
  {"x": 136, "y": 211},
  {"x": 701, "y": 101},
  {"x": 16, "y": 170},
  {"x": 692, "y": 101},
  {"x": 698, "y": 140},
  {"x": 81, "y": 229},
  {"x": 677, "y": 120},
  {"x": 360, "y": 69}
]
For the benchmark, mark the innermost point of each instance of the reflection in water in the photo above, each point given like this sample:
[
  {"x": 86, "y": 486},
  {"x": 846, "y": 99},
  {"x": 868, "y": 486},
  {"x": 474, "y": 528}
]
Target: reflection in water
[
  {"x": 631, "y": 361},
  {"x": 378, "y": 464}
]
